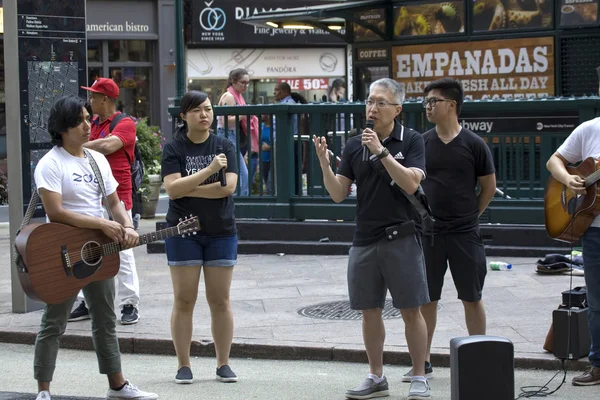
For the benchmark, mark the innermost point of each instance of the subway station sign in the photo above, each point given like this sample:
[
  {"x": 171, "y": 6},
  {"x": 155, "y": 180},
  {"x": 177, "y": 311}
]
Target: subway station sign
[{"x": 512, "y": 68}]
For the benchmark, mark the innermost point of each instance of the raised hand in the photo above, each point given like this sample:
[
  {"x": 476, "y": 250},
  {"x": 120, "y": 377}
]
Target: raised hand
[{"x": 321, "y": 148}]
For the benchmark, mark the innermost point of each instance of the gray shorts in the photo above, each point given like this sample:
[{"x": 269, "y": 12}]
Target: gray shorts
[{"x": 396, "y": 265}]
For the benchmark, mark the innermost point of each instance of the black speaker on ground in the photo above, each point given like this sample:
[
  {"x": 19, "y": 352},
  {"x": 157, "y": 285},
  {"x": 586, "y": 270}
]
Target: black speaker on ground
[
  {"x": 482, "y": 367},
  {"x": 576, "y": 343}
]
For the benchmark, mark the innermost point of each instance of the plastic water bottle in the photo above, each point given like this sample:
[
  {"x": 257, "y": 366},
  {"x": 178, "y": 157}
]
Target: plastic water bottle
[{"x": 500, "y": 266}]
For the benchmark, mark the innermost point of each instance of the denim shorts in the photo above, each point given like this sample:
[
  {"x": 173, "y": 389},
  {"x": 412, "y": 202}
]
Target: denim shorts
[{"x": 202, "y": 250}]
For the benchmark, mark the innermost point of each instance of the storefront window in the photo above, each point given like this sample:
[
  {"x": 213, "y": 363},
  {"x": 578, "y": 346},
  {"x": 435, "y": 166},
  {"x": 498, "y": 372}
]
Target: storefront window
[
  {"x": 128, "y": 50},
  {"x": 94, "y": 74},
  {"x": 368, "y": 75},
  {"x": 214, "y": 88},
  {"x": 135, "y": 90},
  {"x": 94, "y": 51},
  {"x": 260, "y": 91}
]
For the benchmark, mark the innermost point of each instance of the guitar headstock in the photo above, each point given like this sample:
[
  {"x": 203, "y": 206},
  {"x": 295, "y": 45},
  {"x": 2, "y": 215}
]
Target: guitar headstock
[{"x": 188, "y": 226}]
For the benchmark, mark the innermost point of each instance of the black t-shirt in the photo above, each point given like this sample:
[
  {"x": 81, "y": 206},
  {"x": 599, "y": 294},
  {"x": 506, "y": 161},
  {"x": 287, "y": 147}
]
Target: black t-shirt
[
  {"x": 378, "y": 205},
  {"x": 452, "y": 172},
  {"x": 180, "y": 155}
]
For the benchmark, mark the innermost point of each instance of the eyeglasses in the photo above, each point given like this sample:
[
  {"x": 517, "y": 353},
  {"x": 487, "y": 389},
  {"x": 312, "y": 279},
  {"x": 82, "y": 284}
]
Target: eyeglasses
[
  {"x": 432, "y": 101},
  {"x": 380, "y": 103},
  {"x": 244, "y": 83}
]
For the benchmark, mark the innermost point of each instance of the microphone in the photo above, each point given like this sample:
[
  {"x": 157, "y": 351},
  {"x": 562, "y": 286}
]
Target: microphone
[
  {"x": 222, "y": 176},
  {"x": 366, "y": 153}
]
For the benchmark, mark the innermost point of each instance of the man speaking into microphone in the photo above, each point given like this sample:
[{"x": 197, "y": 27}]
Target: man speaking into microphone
[{"x": 386, "y": 251}]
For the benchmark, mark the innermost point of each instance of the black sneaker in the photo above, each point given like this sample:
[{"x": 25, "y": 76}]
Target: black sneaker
[
  {"x": 184, "y": 375},
  {"x": 225, "y": 374},
  {"x": 428, "y": 373},
  {"x": 80, "y": 313},
  {"x": 130, "y": 315}
]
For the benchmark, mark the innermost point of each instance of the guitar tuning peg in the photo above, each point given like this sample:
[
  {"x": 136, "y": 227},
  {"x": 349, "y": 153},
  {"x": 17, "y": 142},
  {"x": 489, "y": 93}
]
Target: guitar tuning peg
[{"x": 180, "y": 219}]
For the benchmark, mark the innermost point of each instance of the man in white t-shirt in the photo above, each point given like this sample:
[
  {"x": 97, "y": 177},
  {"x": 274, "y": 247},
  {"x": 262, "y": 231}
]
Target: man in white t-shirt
[
  {"x": 71, "y": 195},
  {"x": 583, "y": 143}
]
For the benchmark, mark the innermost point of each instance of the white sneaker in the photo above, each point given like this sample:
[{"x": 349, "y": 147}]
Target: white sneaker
[
  {"x": 43, "y": 395},
  {"x": 419, "y": 390},
  {"x": 130, "y": 391}
]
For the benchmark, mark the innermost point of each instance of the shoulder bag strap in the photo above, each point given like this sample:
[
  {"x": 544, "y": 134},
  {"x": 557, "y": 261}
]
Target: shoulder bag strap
[
  {"x": 418, "y": 199},
  {"x": 100, "y": 182}
]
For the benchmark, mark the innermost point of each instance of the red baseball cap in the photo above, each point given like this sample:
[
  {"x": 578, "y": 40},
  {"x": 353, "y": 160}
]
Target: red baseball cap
[{"x": 105, "y": 86}]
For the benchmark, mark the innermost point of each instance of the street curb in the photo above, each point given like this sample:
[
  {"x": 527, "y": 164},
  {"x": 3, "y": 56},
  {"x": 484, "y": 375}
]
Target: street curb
[{"x": 131, "y": 345}]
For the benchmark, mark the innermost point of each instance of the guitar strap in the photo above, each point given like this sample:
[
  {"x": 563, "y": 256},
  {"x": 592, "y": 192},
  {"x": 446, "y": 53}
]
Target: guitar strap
[
  {"x": 16, "y": 257},
  {"x": 100, "y": 182}
]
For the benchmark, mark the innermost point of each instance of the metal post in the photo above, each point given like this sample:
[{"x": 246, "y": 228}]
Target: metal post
[
  {"x": 20, "y": 302},
  {"x": 179, "y": 52}
]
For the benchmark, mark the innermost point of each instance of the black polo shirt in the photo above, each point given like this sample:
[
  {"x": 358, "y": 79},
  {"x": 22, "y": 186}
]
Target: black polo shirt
[{"x": 378, "y": 206}]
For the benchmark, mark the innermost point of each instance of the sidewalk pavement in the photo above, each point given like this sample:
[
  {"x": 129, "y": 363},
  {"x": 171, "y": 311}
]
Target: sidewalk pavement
[{"x": 268, "y": 290}]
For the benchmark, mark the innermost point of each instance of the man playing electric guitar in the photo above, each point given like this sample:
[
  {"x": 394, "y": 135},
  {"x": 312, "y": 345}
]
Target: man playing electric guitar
[
  {"x": 72, "y": 195},
  {"x": 584, "y": 142}
]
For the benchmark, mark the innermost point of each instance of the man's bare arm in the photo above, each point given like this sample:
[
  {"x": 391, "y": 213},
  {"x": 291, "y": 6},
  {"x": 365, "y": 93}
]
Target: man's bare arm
[
  {"x": 557, "y": 165},
  {"x": 488, "y": 191},
  {"x": 408, "y": 179},
  {"x": 107, "y": 145}
]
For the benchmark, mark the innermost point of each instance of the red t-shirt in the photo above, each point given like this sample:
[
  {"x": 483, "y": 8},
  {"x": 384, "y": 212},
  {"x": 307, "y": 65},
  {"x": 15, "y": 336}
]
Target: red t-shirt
[{"x": 121, "y": 168}]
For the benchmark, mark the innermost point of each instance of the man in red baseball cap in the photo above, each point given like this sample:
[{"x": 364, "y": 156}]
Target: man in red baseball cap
[
  {"x": 104, "y": 86},
  {"x": 113, "y": 135}
]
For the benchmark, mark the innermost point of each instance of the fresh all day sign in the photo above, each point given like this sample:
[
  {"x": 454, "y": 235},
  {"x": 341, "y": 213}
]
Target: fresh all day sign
[{"x": 511, "y": 68}]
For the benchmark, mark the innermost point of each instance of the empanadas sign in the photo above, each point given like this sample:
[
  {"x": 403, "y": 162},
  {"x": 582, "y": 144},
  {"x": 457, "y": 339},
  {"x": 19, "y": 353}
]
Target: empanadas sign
[{"x": 511, "y": 68}]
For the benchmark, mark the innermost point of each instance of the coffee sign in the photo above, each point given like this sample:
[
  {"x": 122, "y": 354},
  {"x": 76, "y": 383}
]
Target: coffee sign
[
  {"x": 369, "y": 54},
  {"x": 512, "y": 68}
]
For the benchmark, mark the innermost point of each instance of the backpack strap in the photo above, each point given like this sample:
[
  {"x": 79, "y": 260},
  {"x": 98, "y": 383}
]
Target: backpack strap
[
  {"x": 115, "y": 121},
  {"x": 112, "y": 126}
]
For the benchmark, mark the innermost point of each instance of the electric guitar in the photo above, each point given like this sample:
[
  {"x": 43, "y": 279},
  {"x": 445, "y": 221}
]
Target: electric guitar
[
  {"x": 567, "y": 215},
  {"x": 56, "y": 260}
]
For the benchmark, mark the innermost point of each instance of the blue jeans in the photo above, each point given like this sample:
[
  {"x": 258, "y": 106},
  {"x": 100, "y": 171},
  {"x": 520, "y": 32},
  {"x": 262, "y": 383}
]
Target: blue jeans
[
  {"x": 242, "y": 167},
  {"x": 202, "y": 250},
  {"x": 253, "y": 161},
  {"x": 591, "y": 255}
]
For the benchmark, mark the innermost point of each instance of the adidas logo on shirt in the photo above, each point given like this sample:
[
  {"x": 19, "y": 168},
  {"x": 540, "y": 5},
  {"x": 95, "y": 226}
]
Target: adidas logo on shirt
[{"x": 399, "y": 156}]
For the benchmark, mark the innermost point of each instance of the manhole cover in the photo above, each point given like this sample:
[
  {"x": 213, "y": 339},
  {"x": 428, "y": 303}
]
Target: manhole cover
[{"x": 341, "y": 311}]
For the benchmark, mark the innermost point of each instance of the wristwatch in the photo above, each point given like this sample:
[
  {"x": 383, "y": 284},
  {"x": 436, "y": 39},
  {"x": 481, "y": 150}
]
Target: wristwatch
[{"x": 384, "y": 153}]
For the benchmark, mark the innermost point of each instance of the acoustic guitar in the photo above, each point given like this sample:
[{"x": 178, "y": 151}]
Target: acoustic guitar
[
  {"x": 568, "y": 215},
  {"x": 58, "y": 260}
]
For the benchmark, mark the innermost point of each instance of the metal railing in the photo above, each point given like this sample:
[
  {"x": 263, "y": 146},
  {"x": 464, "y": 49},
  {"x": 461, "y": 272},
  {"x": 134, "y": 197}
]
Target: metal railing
[{"x": 520, "y": 154}]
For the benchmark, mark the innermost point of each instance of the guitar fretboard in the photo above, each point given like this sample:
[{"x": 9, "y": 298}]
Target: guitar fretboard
[
  {"x": 592, "y": 178},
  {"x": 114, "y": 247}
]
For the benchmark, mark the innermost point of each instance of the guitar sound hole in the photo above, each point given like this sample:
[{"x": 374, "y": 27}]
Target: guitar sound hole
[{"x": 91, "y": 253}]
